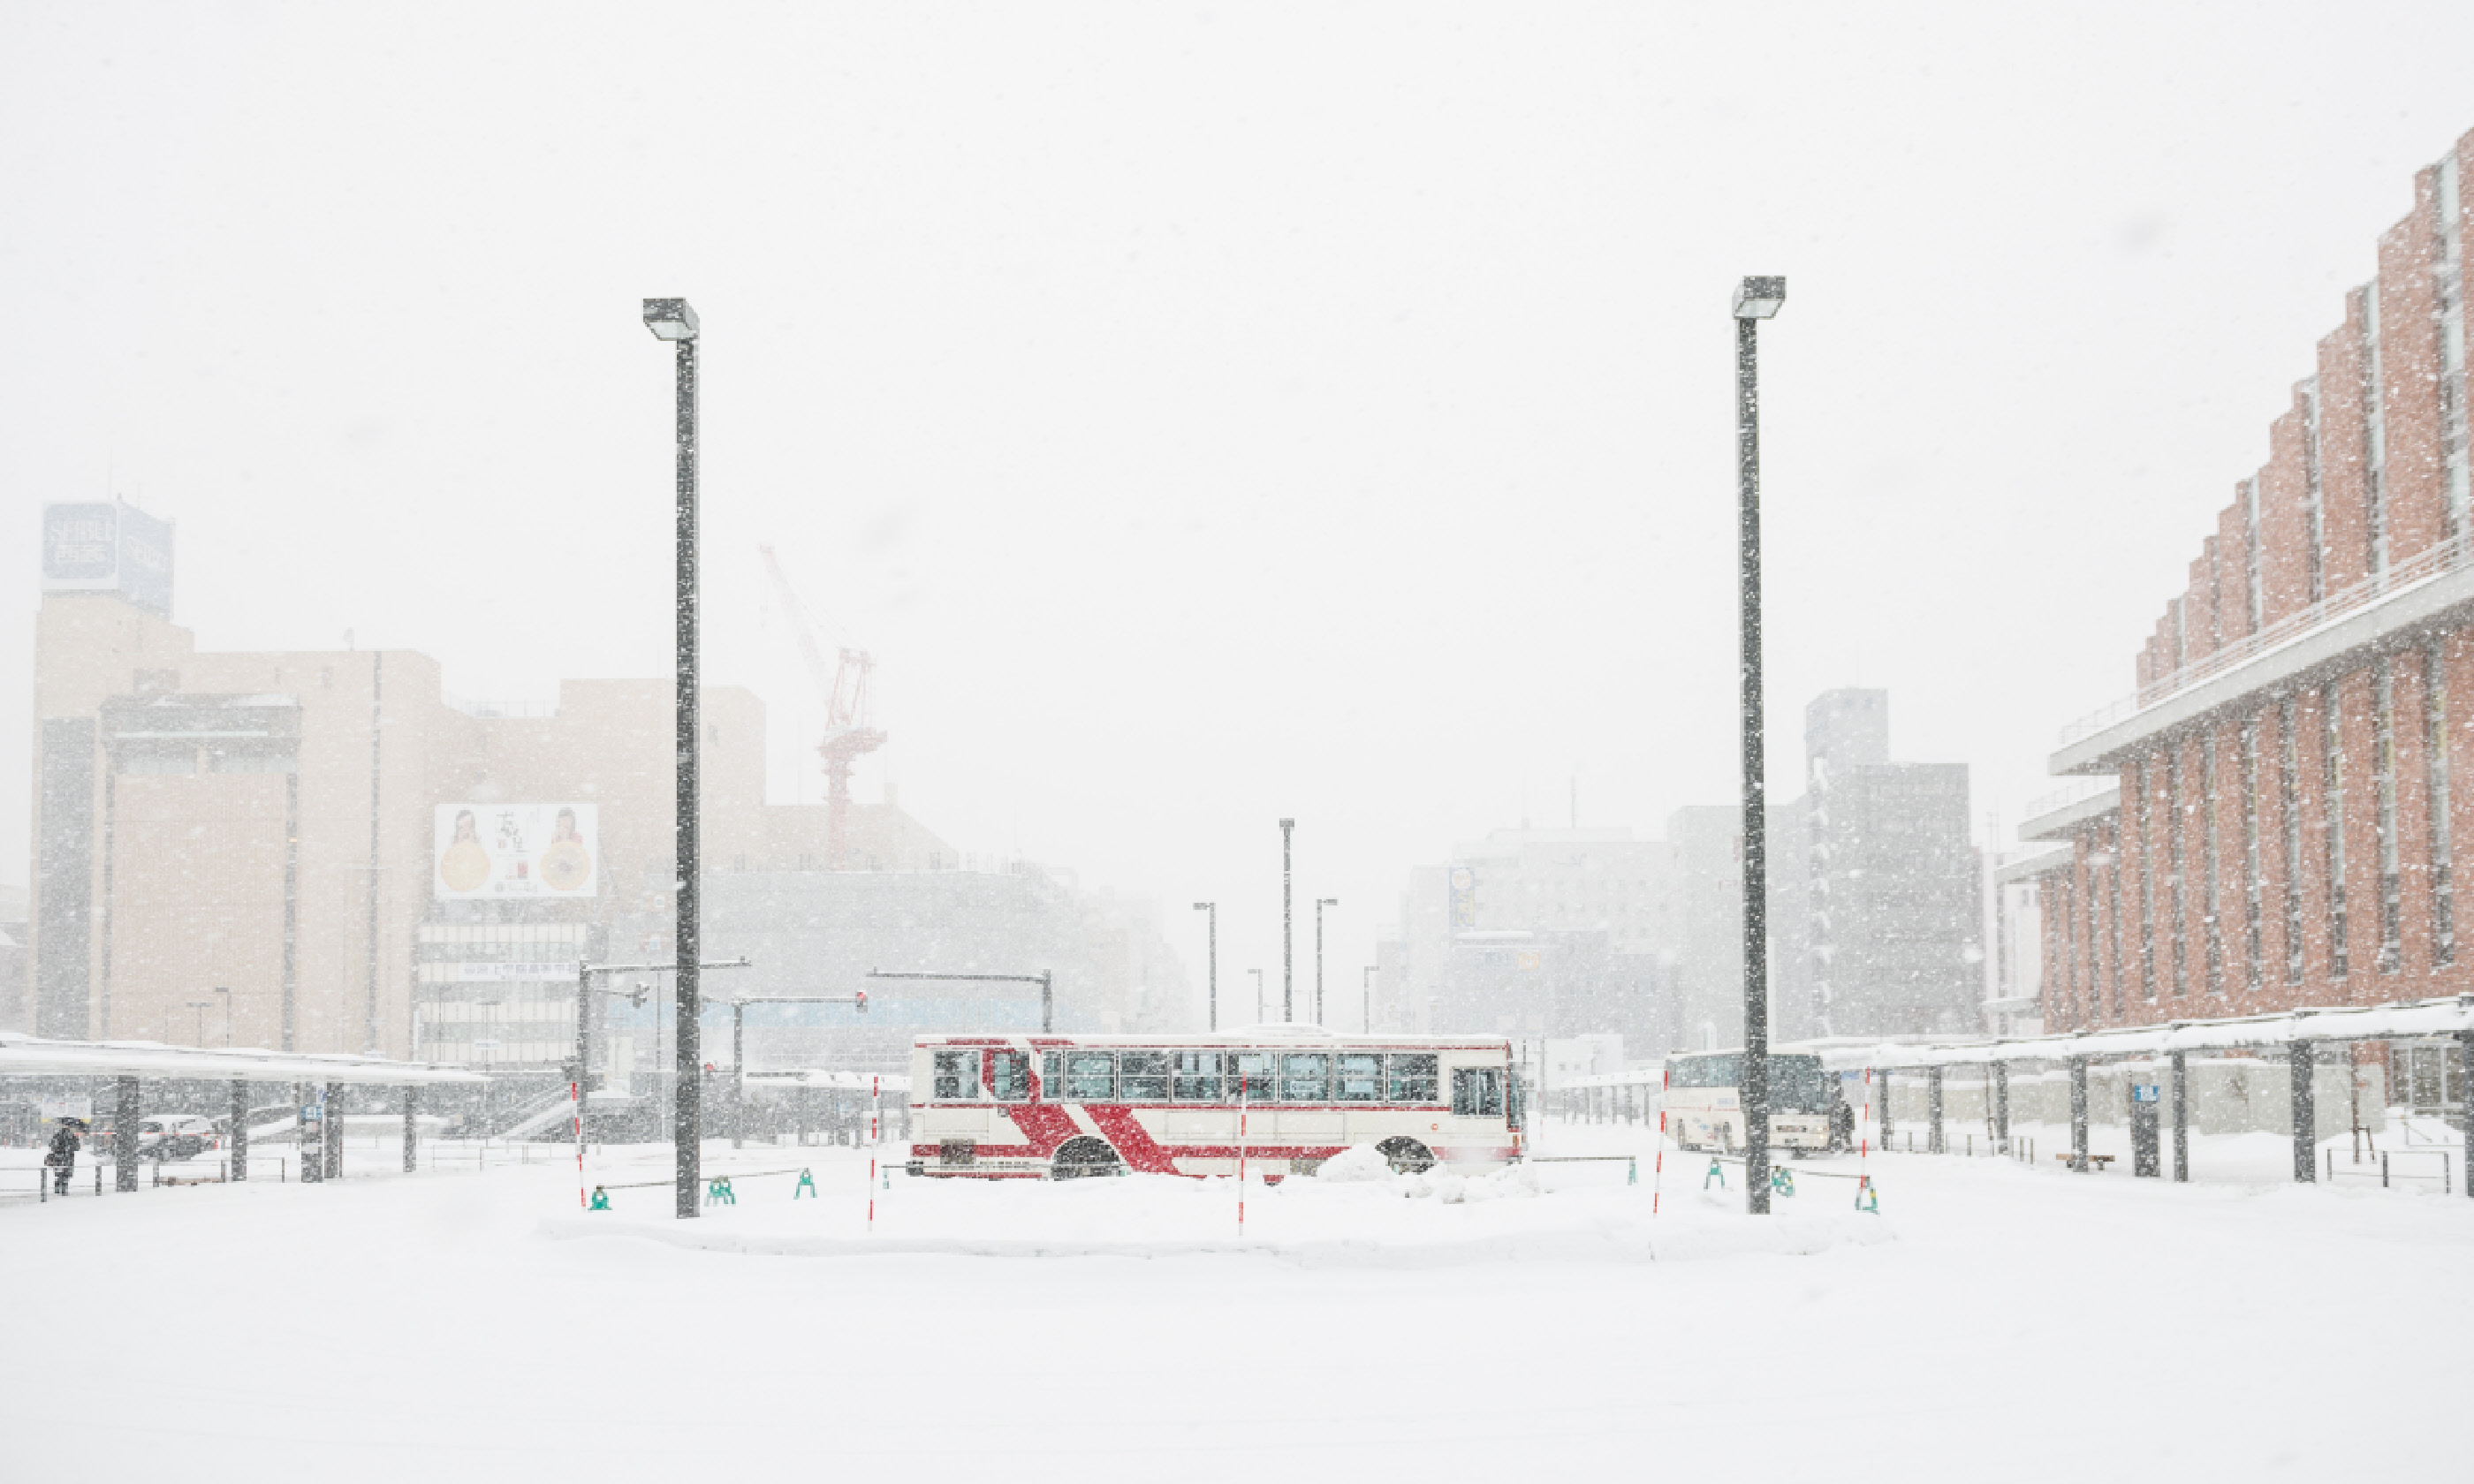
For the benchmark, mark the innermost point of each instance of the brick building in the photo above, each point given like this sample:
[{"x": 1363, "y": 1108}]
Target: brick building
[{"x": 2291, "y": 774}]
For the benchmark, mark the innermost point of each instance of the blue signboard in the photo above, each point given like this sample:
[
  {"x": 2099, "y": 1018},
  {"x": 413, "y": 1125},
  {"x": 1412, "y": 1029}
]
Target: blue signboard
[{"x": 2146, "y": 1092}]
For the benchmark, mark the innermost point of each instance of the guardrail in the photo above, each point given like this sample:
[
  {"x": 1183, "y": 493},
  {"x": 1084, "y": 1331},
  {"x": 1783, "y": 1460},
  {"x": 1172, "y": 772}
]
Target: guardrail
[
  {"x": 2447, "y": 1158},
  {"x": 2414, "y": 571}
]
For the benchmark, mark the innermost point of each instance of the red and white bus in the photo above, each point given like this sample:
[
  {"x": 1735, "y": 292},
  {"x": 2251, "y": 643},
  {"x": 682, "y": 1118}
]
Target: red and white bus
[{"x": 1026, "y": 1106}]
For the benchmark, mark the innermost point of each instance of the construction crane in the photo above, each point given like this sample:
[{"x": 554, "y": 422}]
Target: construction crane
[{"x": 843, "y": 687}]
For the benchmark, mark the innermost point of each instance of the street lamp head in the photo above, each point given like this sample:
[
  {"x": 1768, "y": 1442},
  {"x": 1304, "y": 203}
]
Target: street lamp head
[
  {"x": 1203, "y": 906},
  {"x": 670, "y": 318},
  {"x": 1326, "y": 901},
  {"x": 1759, "y": 299}
]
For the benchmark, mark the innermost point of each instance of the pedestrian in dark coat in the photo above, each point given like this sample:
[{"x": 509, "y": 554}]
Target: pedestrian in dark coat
[{"x": 62, "y": 1159}]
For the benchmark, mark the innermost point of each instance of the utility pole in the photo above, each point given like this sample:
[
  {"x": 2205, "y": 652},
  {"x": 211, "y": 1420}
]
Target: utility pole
[
  {"x": 1365, "y": 984},
  {"x": 1288, "y": 952}
]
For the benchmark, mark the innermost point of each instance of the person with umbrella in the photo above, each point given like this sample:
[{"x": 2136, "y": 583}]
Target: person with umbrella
[{"x": 62, "y": 1156}]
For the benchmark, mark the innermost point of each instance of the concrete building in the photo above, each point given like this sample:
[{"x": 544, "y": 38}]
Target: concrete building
[
  {"x": 1535, "y": 933},
  {"x": 2268, "y": 820},
  {"x": 322, "y": 852},
  {"x": 1874, "y": 894}
]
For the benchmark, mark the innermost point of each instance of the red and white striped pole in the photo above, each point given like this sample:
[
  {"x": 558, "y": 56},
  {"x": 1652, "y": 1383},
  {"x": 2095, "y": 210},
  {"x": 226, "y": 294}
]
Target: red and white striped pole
[
  {"x": 1657, "y": 1171},
  {"x": 1242, "y": 1089},
  {"x": 875, "y": 1113},
  {"x": 576, "y": 1112},
  {"x": 1864, "y": 1141}
]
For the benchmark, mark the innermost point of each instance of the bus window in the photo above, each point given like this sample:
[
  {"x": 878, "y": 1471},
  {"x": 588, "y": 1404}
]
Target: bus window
[
  {"x": 1361, "y": 1078},
  {"x": 1253, "y": 1076},
  {"x": 1052, "y": 1076},
  {"x": 1196, "y": 1077},
  {"x": 1412, "y": 1079},
  {"x": 1305, "y": 1077},
  {"x": 957, "y": 1075},
  {"x": 1091, "y": 1076},
  {"x": 1142, "y": 1076},
  {"x": 1008, "y": 1076},
  {"x": 1477, "y": 1092}
]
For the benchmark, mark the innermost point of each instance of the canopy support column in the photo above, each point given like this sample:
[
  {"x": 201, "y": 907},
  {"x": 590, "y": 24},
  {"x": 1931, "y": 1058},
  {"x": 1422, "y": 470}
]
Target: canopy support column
[
  {"x": 124, "y": 1134},
  {"x": 2078, "y": 1114},
  {"x": 2001, "y": 1108},
  {"x": 2182, "y": 1116},
  {"x": 236, "y": 1147},
  {"x": 411, "y": 1108},
  {"x": 331, "y": 1131},
  {"x": 2306, "y": 1114},
  {"x": 1934, "y": 1142},
  {"x": 1886, "y": 1120}
]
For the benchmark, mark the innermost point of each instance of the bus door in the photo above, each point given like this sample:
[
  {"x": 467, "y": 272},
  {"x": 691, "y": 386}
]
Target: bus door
[{"x": 1477, "y": 1104}]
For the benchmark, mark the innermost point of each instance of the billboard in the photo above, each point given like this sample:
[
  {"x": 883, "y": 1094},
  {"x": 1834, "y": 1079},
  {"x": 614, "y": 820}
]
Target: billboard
[
  {"x": 515, "y": 849},
  {"x": 109, "y": 547},
  {"x": 1464, "y": 899}
]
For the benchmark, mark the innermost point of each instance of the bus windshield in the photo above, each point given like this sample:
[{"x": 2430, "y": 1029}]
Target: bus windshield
[{"x": 1797, "y": 1083}]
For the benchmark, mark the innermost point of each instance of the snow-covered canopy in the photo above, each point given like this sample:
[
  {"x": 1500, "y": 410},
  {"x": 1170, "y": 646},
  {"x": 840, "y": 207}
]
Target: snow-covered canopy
[{"x": 35, "y": 1056}]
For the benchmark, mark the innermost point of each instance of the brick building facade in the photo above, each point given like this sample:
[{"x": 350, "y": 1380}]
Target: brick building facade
[{"x": 2296, "y": 768}]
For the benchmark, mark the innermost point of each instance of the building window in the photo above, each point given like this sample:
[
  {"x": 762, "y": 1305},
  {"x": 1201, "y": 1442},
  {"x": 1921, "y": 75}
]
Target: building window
[
  {"x": 2315, "y": 516},
  {"x": 2443, "y": 898},
  {"x": 2449, "y": 283},
  {"x": 2332, "y": 760},
  {"x": 2384, "y": 749},
  {"x": 2254, "y": 883},
  {"x": 2147, "y": 886},
  {"x": 2113, "y": 916},
  {"x": 2212, "y": 905},
  {"x": 2288, "y": 785},
  {"x": 2177, "y": 822},
  {"x": 2375, "y": 441}
]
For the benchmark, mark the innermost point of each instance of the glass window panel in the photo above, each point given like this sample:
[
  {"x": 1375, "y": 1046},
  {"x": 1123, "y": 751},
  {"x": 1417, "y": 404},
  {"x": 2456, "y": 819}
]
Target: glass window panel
[
  {"x": 1008, "y": 1076},
  {"x": 1412, "y": 1079},
  {"x": 1361, "y": 1078},
  {"x": 1305, "y": 1077},
  {"x": 1052, "y": 1075},
  {"x": 1253, "y": 1078},
  {"x": 1091, "y": 1076},
  {"x": 957, "y": 1075},
  {"x": 1142, "y": 1076},
  {"x": 1196, "y": 1075},
  {"x": 1477, "y": 1092}
]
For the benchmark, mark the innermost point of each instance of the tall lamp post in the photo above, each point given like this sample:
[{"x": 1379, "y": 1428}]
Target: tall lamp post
[
  {"x": 1288, "y": 953},
  {"x": 1756, "y": 299},
  {"x": 1258, "y": 995},
  {"x": 1213, "y": 908},
  {"x": 227, "y": 994},
  {"x": 200, "y": 1006},
  {"x": 1321, "y": 902},
  {"x": 671, "y": 320},
  {"x": 1365, "y": 987}
]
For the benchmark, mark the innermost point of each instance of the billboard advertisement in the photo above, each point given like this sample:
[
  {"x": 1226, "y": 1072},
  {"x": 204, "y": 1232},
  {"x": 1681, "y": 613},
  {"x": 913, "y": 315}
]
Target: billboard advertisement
[
  {"x": 109, "y": 547},
  {"x": 1464, "y": 899},
  {"x": 515, "y": 849}
]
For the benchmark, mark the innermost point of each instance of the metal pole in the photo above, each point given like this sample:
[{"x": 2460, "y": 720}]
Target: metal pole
[
  {"x": 738, "y": 1068},
  {"x": 1887, "y": 1121},
  {"x": 2078, "y": 1114},
  {"x": 2181, "y": 1115},
  {"x": 2306, "y": 1113},
  {"x": 1288, "y": 955},
  {"x": 237, "y": 1146},
  {"x": 1211, "y": 910},
  {"x": 331, "y": 1128},
  {"x": 1935, "y": 1143},
  {"x": 124, "y": 1136},
  {"x": 1366, "y": 986},
  {"x": 1048, "y": 1000},
  {"x": 1748, "y": 572},
  {"x": 686, "y": 1115},
  {"x": 370, "y": 1009}
]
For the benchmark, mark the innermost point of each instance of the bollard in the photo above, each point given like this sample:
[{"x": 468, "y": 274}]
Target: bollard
[
  {"x": 720, "y": 1191},
  {"x": 1631, "y": 1171},
  {"x": 807, "y": 1184},
  {"x": 1718, "y": 1173},
  {"x": 600, "y": 1199}
]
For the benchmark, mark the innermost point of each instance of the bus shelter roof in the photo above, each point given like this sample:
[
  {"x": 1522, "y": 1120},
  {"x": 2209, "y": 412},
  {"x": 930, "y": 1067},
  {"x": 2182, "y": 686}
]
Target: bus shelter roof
[
  {"x": 2403, "y": 1020},
  {"x": 22, "y": 1055},
  {"x": 789, "y": 1078}
]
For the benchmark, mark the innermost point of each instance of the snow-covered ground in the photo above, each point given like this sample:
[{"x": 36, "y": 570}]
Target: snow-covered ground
[{"x": 1993, "y": 1321}]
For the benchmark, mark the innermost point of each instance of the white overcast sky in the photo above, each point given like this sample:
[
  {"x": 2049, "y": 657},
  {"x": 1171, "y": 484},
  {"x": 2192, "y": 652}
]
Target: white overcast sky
[{"x": 1206, "y": 414}]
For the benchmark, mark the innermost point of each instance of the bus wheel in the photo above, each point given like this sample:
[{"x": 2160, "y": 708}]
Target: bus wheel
[
  {"x": 1407, "y": 1156},
  {"x": 1086, "y": 1155}
]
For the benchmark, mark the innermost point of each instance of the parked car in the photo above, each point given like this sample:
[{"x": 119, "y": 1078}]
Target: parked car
[{"x": 176, "y": 1136}]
